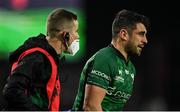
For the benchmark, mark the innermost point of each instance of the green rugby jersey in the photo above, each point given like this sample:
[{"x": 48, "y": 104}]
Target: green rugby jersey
[{"x": 109, "y": 70}]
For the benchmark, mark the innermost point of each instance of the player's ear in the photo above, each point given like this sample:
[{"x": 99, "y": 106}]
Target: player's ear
[
  {"x": 123, "y": 34},
  {"x": 60, "y": 35}
]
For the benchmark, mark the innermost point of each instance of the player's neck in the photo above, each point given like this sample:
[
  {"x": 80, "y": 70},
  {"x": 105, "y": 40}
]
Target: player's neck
[
  {"x": 120, "y": 48},
  {"x": 55, "y": 44}
]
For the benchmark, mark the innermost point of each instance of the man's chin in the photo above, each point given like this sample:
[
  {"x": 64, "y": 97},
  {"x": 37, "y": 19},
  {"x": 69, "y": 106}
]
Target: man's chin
[
  {"x": 135, "y": 54},
  {"x": 138, "y": 53}
]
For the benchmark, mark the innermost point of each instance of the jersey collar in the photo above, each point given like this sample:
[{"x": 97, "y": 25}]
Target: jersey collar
[{"x": 119, "y": 54}]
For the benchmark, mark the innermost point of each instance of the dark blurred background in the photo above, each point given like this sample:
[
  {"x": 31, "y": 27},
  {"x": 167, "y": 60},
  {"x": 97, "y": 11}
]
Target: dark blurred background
[{"x": 157, "y": 82}]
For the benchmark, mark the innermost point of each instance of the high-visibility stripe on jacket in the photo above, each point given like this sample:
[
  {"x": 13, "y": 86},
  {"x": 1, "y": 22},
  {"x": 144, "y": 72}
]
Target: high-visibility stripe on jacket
[{"x": 53, "y": 86}]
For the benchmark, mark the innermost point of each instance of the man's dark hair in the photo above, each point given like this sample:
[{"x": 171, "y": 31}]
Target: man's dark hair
[
  {"x": 128, "y": 19},
  {"x": 58, "y": 20}
]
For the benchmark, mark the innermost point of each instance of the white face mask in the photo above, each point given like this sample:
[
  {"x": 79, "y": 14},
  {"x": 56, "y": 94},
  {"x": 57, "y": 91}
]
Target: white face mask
[{"x": 74, "y": 47}]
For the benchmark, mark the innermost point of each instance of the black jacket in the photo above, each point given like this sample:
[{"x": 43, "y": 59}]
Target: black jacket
[{"x": 26, "y": 86}]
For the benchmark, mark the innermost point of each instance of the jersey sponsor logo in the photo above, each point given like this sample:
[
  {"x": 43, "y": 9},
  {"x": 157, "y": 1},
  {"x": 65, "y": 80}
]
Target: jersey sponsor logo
[
  {"x": 120, "y": 72},
  {"x": 132, "y": 75},
  {"x": 119, "y": 78},
  {"x": 101, "y": 74},
  {"x": 118, "y": 94},
  {"x": 126, "y": 71}
]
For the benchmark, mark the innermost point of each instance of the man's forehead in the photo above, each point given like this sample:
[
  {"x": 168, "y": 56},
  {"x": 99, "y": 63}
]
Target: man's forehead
[
  {"x": 75, "y": 24},
  {"x": 140, "y": 27}
]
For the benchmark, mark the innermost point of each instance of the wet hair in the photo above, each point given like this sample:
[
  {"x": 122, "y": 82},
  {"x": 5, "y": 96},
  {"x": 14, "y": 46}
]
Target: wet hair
[
  {"x": 57, "y": 20},
  {"x": 126, "y": 19}
]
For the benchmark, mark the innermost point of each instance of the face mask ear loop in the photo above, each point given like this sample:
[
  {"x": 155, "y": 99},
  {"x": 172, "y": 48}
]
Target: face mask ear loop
[
  {"x": 66, "y": 44},
  {"x": 65, "y": 41}
]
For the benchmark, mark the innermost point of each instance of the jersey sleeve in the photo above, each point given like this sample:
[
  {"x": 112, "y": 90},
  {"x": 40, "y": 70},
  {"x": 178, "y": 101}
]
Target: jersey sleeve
[{"x": 99, "y": 74}]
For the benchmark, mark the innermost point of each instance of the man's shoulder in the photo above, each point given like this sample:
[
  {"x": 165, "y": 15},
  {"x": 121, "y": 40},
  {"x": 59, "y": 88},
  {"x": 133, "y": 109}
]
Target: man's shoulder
[
  {"x": 35, "y": 56},
  {"x": 105, "y": 52},
  {"x": 103, "y": 55}
]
